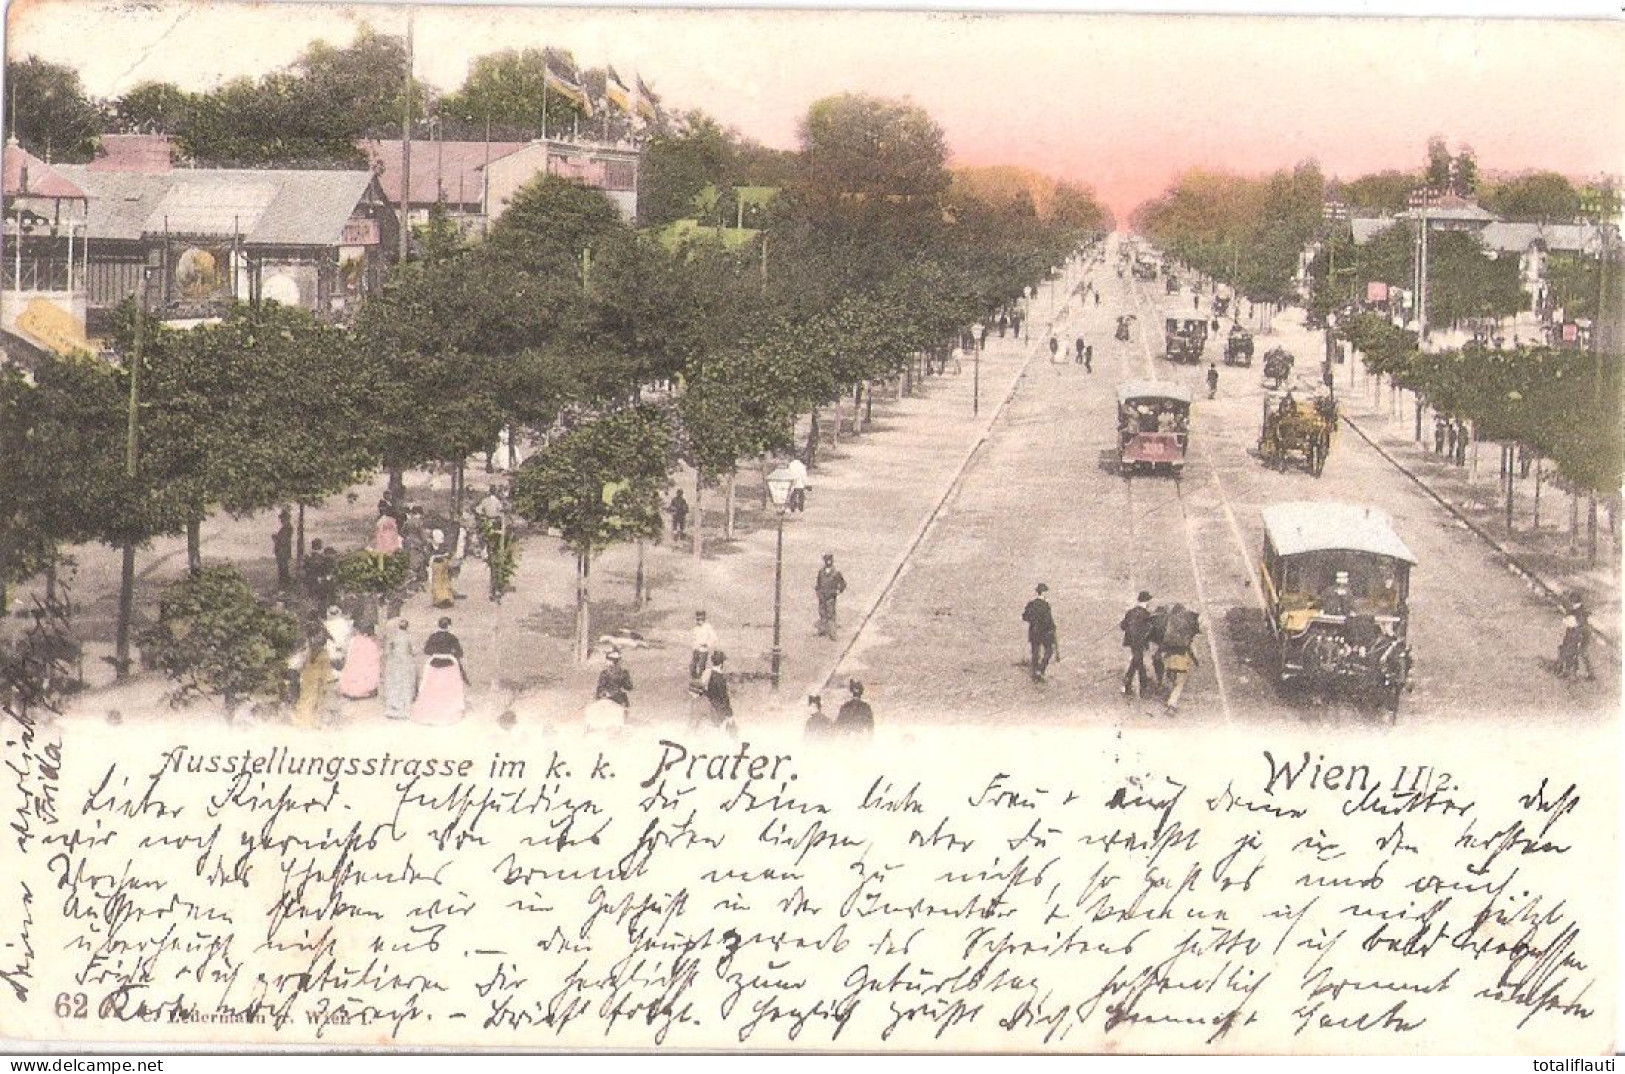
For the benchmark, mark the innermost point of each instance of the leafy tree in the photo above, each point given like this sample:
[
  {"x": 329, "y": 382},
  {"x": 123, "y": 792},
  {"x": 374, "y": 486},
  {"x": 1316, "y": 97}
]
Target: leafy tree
[
  {"x": 50, "y": 113},
  {"x": 506, "y": 87},
  {"x": 298, "y": 428},
  {"x": 550, "y": 221},
  {"x": 1537, "y": 196},
  {"x": 1464, "y": 174},
  {"x": 215, "y": 637},
  {"x": 867, "y": 148},
  {"x": 153, "y": 108},
  {"x": 1440, "y": 165},
  {"x": 1385, "y": 192},
  {"x": 680, "y": 162},
  {"x": 598, "y": 484}
]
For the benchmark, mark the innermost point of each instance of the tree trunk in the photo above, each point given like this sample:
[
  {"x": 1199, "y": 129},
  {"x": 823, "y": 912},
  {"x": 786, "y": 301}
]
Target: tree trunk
[
  {"x": 513, "y": 449},
  {"x": 1538, "y": 472},
  {"x": 1472, "y": 439},
  {"x": 728, "y": 516},
  {"x": 299, "y": 542},
  {"x": 639, "y": 590},
  {"x": 1418, "y": 417},
  {"x": 458, "y": 477},
  {"x": 50, "y": 582},
  {"x": 812, "y": 440},
  {"x": 1591, "y": 529},
  {"x": 194, "y": 546},
  {"x": 126, "y": 612},
  {"x": 397, "y": 486},
  {"x": 696, "y": 533},
  {"x": 583, "y": 607},
  {"x": 1574, "y": 519},
  {"x": 1511, "y": 484}
]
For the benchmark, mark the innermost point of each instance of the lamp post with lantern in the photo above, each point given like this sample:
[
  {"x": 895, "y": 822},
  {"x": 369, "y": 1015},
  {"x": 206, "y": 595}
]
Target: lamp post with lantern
[{"x": 778, "y": 490}]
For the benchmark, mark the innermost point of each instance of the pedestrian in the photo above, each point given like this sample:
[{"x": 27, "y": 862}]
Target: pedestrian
[
  {"x": 1175, "y": 656},
  {"x": 980, "y": 328},
  {"x": 321, "y": 574},
  {"x": 1212, "y": 380},
  {"x": 1078, "y": 346},
  {"x": 828, "y": 585},
  {"x": 818, "y": 725},
  {"x": 340, "y": 629},
  {"x": 798, "y": 484},
  {"x": 1015, "y": 325},
  {"x": 1054, "y": 347},
  {"x": 363, "y": 667},
  {"x": 856, "y": 716},
  {"x": 1452, "y": 431},
  {"x": 441, "y": 593},
  {"x": 679, "y": 515},
  {"x": 1196, "y": 302},
  {"x": 1042, "y": 643},
  {"x": 441, "y": 698},
  {"x": 1002, "y": 323},
  {"x": 1136, "y": 628},
  {"x": 1438, "y": 434},
  {"x": 1097, "y": 294},
  {"x": 1463, "y": 438},
  {"x": 1572, "y": 652},
  {"x": 714, "y": 684},
  {"x": 316, "y": 682},
  {"x": 386, "y": 535},
  {"x": 615, "y": 682},
  {"x": 1089, "y": 358},
  {"x": 282, "y": 549},
  {"x": 399, "y": 679},
  {"x": 702, "y": 639}
]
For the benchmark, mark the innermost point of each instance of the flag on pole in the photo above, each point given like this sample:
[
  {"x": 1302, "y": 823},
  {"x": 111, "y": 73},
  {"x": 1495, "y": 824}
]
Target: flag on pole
[
  {"x": 569, "y": 90},
  {"x": 616, "y": 91},
  {"x": 647, "y": 105}
]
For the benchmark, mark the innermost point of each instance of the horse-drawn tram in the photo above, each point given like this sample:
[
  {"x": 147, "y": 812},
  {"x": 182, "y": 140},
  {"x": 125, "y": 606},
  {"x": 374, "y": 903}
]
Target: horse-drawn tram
[
  {"x": 1336, "y": 586},
  {"x": 1153, "y": 426}
]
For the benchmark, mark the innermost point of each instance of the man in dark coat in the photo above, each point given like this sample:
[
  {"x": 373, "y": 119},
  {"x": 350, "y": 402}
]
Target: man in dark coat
[
  {"x": 828, "y": 586},
  {"x": 1041, "y": 637},
  {"x": 856, "y": 717},
  {"x": 615, "y": 682},
  {"x": 716, "y": 690},
  {"x": 282, "y": 549},
  {"x": 1136, "y": 627}
]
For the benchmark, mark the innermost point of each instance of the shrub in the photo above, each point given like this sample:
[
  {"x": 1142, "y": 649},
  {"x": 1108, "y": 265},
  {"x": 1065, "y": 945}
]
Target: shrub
[{"x": 214, "y": 636}]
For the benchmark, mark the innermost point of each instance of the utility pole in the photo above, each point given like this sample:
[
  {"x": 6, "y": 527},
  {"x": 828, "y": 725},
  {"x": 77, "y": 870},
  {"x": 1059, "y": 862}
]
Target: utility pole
[{"x": 406, "y": 146}]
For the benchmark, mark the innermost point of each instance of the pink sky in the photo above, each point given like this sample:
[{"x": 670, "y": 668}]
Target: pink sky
[{"x": 1121, "y": 102}]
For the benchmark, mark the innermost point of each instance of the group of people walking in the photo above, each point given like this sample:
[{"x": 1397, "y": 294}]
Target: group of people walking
[
  {"x": 1165, "y": 633},
  {"x": 350, "y": 659}
]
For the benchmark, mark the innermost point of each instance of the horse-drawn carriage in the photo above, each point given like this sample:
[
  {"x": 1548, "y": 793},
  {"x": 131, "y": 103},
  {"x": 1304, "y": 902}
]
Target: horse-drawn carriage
[
  {"x": 1238, "y": 347},
  {"x": 1184, "y": 336},
  {"x": 1153, "y": 426},
  {"x": 1171, "y": 284},
  {"x": 1221, "y": 305},
  {"x": 1278, "y": 363},
  {"x": 1124, "y": 323},
  {"x": 1336, "y": 586},
  {"x": 1145, "y": 269},
  {"x": 1298, "y": 430}
]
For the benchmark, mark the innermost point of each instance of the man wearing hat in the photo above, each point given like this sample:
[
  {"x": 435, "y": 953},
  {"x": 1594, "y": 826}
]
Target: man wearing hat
[
  {"x": 1338, "y": 600},
  {"x": 828, "y": 586},
  {"x": 855, "y": 717},
  {"x": 615, "y": 682},
  {"x": 1136, "y": 627},
  {"x": 1041, "y": 639}
]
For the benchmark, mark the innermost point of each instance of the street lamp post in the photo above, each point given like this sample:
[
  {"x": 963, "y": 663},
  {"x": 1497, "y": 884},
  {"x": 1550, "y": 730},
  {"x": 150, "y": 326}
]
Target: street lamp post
[{"x": 778, "y": 490}]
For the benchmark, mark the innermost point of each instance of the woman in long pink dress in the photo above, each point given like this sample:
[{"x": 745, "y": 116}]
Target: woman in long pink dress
[
  {"x": 386, "y": 537},
  {"x": 363, "y": 666},
  {"x": 441, "y": 698}
]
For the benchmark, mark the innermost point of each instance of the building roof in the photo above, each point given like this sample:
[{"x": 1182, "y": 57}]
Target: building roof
[
  {"x": 1512, "y": 236},
  {"x": 28, "y": 176},
  {"x": 452, "y": 172},
  {"x": 265, "y": 207},
  {"x": 134, "y": 153},
  {"x": 1296, "y": 528},
  {"x": 1452, "y": 207},
  {"x": 1366, "y": 228},
  {"x": 1130, "y": 390}
]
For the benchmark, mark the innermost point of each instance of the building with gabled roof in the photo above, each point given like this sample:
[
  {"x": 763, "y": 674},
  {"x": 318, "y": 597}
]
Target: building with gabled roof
[
  {"x": 202, "y": 237},
  {"x": 43, "y": 256}
]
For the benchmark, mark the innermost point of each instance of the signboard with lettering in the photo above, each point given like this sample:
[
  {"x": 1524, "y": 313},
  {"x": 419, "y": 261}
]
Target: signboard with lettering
[{"x": 360, "y": 232}]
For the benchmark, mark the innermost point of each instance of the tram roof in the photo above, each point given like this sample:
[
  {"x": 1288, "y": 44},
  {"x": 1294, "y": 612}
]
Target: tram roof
[
  {"x": 1130, "y": 390},
  {"x": 1296, "y": 528}
]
